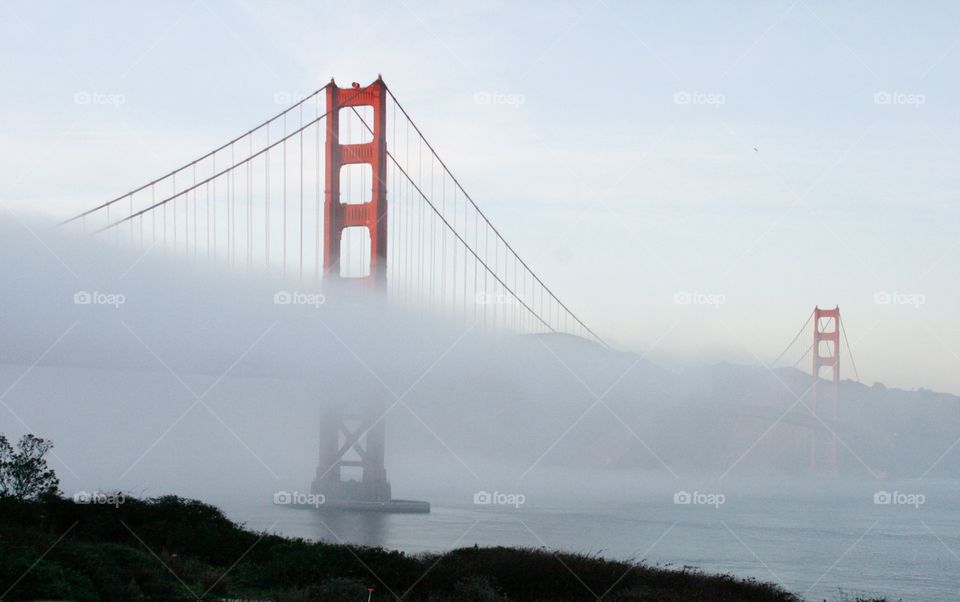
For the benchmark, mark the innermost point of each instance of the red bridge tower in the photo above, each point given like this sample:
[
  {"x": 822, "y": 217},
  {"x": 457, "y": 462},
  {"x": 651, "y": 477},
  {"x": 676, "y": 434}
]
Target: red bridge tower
[
  {"x": 825, "y": 388},
  {"x": 371, "y": 214},
  {"x": 354, "y": 438}
]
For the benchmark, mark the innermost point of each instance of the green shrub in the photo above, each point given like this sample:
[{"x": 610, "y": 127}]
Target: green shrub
[{"x": 170, "y": 548}]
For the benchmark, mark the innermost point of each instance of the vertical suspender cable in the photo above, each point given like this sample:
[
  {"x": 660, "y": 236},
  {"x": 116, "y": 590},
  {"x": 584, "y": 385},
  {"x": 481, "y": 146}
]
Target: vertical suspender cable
[
  {"x": 251, "y": 199},
  {"x": 420, "y": 228},
  {"x": 284, "y": 235},
  {"x": 266, "y": 203},
  {"x": 316, "y": 241},
  {"x": 433, "y": 238},
  {"x": 408, "y": 242},
  {"x": 214, "y": 211},
  {"x": 443, "y": 244},
  {"x": 301, "y": 196},
  {"x": 195, "y": 237}
]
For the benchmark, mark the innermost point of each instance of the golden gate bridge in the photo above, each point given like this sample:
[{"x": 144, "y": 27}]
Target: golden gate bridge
[{"x": 343, "y": 184}]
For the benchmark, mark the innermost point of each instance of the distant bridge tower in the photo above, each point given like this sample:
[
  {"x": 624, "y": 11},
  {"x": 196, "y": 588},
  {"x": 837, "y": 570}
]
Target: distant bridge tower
[
  {"x": 354, "y": 438},
  {"x": 825, "y": 388}
]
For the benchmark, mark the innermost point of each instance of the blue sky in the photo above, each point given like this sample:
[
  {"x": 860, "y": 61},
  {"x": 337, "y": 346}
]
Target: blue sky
[{"x": 779, "y": 155}]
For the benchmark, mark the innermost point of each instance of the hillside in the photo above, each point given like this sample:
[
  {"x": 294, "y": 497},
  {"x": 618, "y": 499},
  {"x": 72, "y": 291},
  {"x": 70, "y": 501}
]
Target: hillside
[{"x": 176, "y": 549}]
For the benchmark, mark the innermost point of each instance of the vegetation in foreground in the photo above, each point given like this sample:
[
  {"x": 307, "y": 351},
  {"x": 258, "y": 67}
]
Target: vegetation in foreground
[
  {"x": 114, "y": 547},
  {"x": 171, "y": 548}
]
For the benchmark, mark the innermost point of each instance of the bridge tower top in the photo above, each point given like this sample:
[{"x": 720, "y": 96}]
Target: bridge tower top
[{"x": 372, "y": 212}]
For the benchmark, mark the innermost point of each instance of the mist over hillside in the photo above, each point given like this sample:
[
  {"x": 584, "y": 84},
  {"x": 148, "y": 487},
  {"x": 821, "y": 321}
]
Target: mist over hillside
[{"x": 175, "y": 379}]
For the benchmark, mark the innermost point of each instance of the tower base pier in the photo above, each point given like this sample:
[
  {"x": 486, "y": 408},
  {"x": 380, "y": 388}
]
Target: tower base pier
[{"x": 350, "y": 470}]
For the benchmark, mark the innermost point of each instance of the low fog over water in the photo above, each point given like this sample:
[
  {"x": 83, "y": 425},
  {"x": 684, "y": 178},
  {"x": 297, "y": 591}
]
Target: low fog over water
[{"x": 155, "y": 376}]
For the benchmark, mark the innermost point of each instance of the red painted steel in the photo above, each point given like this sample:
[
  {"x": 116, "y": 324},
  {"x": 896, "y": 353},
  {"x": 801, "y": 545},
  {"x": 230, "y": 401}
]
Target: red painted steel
[
  {"x": 371, "y": 214},
  {"x": 358, "y": 431},
  {"x": 825, "y": 388}
]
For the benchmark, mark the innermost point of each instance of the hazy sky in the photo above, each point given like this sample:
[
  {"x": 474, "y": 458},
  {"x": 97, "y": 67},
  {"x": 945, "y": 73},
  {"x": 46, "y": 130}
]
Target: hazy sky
[{"x": 773, "y": 156}]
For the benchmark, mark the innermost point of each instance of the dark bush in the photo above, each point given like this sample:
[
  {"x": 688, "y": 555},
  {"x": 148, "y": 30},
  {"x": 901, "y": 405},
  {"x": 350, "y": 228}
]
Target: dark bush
[{"x": 171, "y": 548}]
